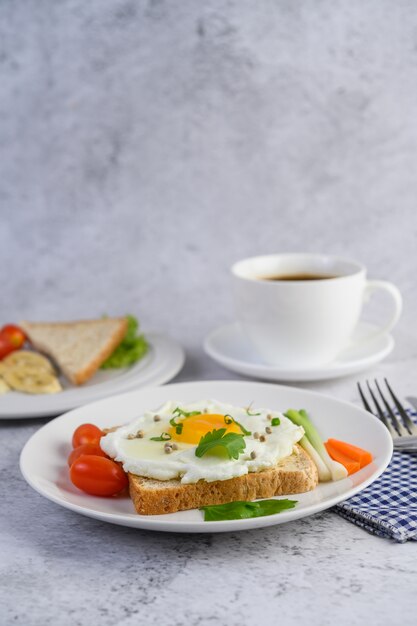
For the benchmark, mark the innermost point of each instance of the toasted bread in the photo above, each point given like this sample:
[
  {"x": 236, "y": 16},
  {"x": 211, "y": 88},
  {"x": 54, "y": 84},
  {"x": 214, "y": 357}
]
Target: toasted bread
[
  {"x": 78, "y": 348},
  {"x": 294, "y": 474}
]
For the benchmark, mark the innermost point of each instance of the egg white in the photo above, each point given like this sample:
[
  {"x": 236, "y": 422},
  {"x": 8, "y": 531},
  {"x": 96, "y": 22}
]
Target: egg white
[{"x": 144, "y": 457}]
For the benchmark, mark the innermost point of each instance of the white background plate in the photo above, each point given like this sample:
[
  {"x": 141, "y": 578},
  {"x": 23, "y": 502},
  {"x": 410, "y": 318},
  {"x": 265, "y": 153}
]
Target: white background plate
[
  {"x": 163, "y": 361},
  {"x": 228, "y": 346},
  {"x": 43, "y": 459}
]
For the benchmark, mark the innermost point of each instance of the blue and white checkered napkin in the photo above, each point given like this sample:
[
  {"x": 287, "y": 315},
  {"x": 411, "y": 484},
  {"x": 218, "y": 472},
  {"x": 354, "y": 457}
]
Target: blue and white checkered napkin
[{"x": 388, "y": 507}]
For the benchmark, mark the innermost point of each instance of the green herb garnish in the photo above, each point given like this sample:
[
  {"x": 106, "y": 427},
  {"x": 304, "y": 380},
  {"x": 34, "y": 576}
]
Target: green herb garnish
[
  {"x": 182, "y": 413},
  {"x": 163, "y": 437},
  {"x": 230, "y": 443},
  {"x": 228, "y": 419},
  {"x": 275, "y": 421},
  {"x": 131, "y": 349},
  {"x": 248, "y": 411},
  {"x": 244, "y": 510},
  {"x": 242, "y": 428},
  {"x": 177, "y": 425}
]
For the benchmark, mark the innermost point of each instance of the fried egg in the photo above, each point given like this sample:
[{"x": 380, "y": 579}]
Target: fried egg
[{"x": 141, "y": 446}]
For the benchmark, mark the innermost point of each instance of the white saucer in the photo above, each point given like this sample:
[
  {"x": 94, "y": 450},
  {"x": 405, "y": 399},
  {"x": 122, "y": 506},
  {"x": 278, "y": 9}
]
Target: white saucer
[{"x": 230, "y": 348}]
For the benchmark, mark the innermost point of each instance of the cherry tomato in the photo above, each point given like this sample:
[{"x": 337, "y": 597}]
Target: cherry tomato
[
  {"x": 85, "y": 448},
  {"x": 97, "y": 475},
  {"x": 86, "y": 433},
  {"x": 14, "y": 334},
  {"x": 5, "y": 346}
]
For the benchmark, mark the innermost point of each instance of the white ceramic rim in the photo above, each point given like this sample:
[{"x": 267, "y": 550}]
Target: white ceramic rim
[
  {"x": 263, "y": 371},
  {"x": 168, "y": 358},
  {"x": 237, "y": 269}
]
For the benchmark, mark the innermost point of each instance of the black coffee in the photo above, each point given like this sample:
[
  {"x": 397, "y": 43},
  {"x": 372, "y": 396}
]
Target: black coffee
[{"x": 303, "y": 276}]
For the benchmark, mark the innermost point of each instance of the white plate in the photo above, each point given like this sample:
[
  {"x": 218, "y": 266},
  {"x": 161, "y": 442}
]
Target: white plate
[
  {"x": 43, "y": 459},
  {"x": 228, "y": 346},
  {"x": 163, "y": 361}
]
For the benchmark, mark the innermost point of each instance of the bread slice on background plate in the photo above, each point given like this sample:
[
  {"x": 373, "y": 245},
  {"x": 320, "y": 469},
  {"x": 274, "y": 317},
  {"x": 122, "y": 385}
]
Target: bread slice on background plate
[
  {"x": 78, "y": 348},
  {"x": 295, "y": 474}
]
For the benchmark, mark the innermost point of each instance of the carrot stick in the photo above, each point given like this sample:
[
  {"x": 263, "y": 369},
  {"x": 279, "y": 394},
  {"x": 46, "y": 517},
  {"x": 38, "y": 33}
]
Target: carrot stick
[
  {"x": 351, "y": 465},
  {"x": 357, "y": 454}
]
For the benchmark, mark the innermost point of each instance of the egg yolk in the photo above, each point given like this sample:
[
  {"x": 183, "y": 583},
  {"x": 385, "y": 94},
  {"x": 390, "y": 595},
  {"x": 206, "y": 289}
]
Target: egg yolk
[{"x": 196, "y": 426}]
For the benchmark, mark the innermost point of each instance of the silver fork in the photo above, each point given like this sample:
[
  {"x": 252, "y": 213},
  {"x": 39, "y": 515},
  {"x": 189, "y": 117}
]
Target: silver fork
[{"x": 403, "y": 431}]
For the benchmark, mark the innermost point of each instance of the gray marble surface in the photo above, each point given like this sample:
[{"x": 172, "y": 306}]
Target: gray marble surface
[{"x": 144, "y": 147}]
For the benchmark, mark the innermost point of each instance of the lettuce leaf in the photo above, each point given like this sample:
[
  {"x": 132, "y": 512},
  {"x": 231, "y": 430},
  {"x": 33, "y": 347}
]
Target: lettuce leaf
[{"x": 132, "y": 348}]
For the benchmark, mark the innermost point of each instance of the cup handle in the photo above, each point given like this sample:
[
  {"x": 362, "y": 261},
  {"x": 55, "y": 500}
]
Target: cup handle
[{"x": 382, "y": 285}]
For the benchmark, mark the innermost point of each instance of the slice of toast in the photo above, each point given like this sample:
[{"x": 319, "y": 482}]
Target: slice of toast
[
  {"x": 78, "y": 348},
  {"x": 294, "y": 474}
]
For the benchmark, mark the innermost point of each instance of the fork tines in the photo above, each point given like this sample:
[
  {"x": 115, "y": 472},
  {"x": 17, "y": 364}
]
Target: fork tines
[{"x": 404, "y": 427}]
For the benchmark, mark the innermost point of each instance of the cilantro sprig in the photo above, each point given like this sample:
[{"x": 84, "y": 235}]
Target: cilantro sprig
[
  {"x": 245, "y": 510},
  {"x": 232, "y": 444}
]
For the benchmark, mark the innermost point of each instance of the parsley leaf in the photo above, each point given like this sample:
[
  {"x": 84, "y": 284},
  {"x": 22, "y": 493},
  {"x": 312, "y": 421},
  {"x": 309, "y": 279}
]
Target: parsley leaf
[
  {"x": 244, "y": 510},
  {"x": 275, "y": 421},
  {"x": 163, "y": 437},
  {"x": 232, "y": 443}
]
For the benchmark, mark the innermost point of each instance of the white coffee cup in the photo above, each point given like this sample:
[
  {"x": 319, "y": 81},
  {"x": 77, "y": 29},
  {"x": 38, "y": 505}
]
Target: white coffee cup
[{"x": 297, "y": 323}]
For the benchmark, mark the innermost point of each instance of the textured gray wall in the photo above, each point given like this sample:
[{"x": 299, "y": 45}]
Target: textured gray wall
[{"x": 144, "y": 146}]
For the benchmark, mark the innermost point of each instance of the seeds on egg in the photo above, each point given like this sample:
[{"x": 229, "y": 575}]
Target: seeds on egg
[
  {"x": 153, "y": 444},
  {"x": 139, "y": 435}
]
